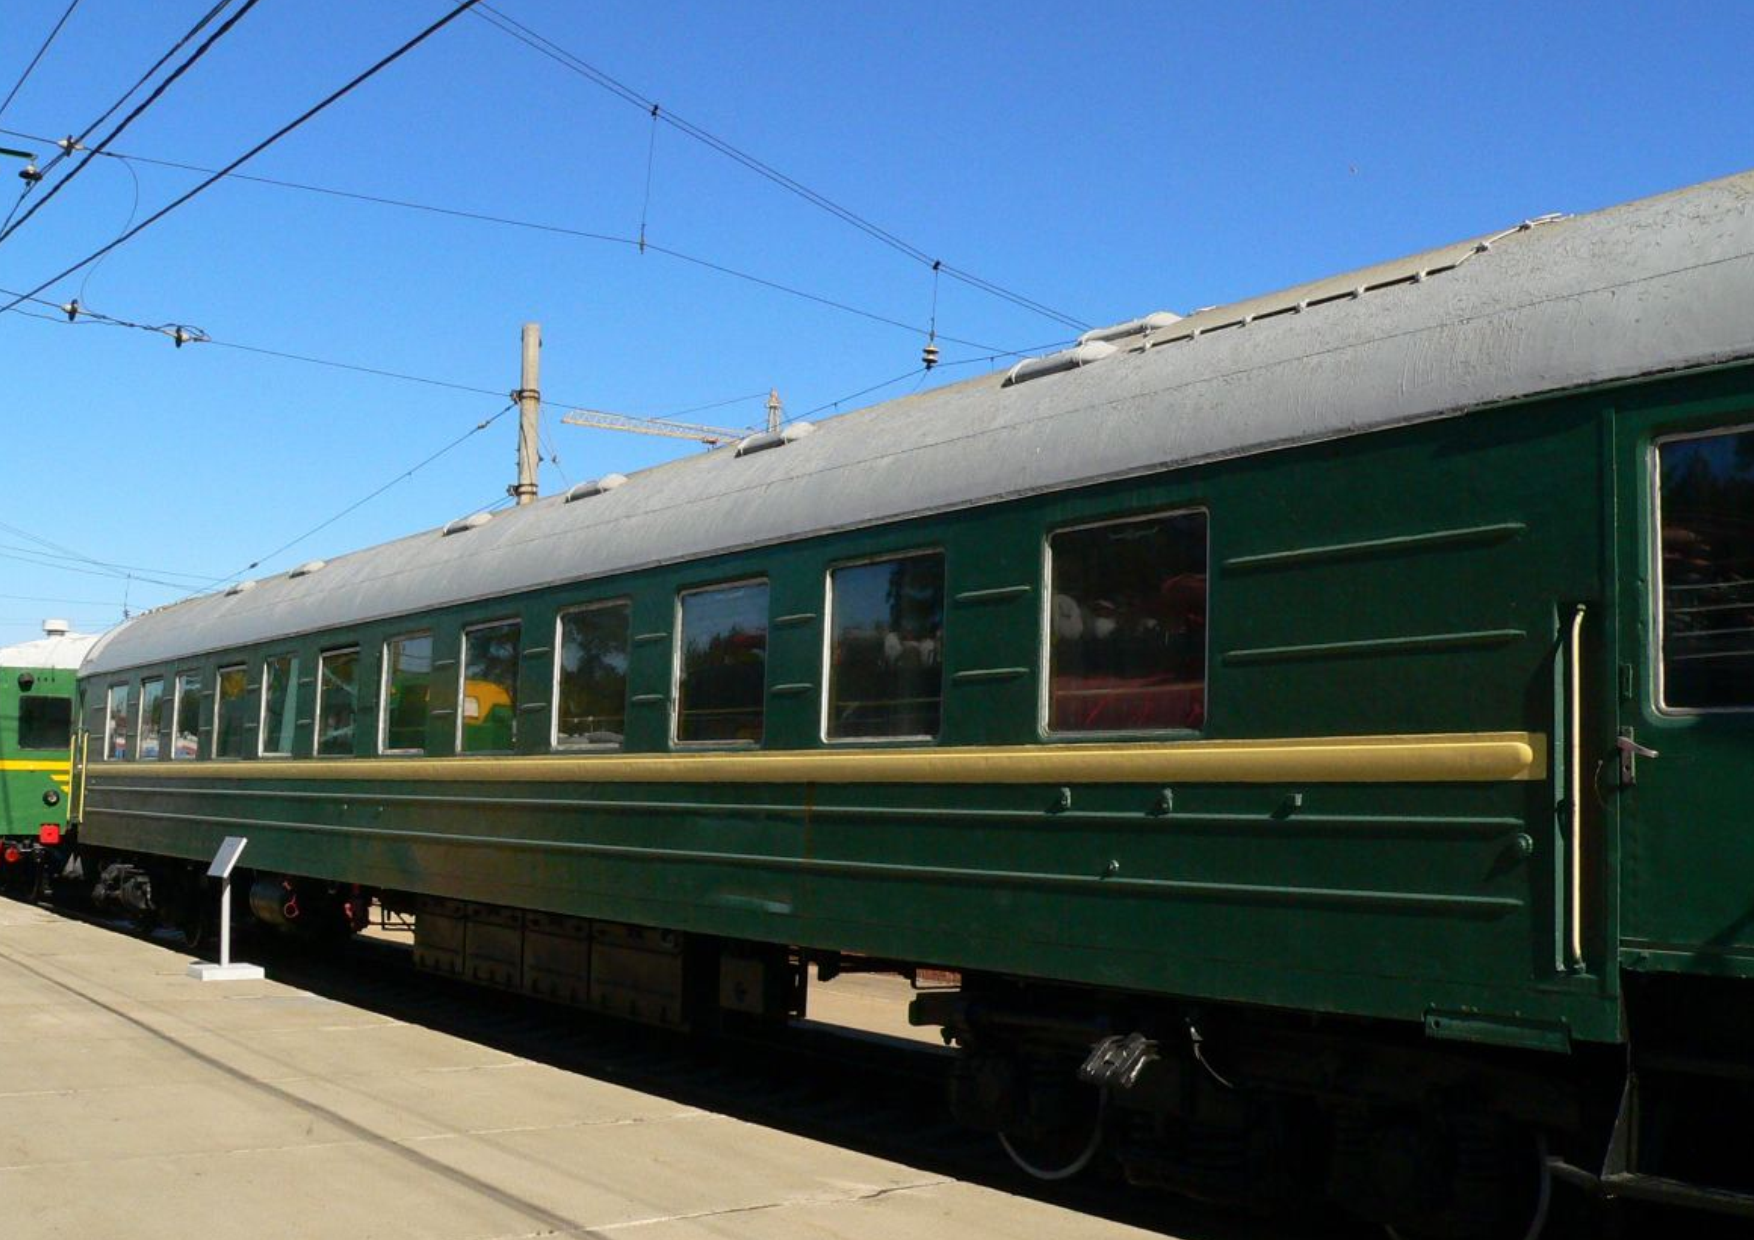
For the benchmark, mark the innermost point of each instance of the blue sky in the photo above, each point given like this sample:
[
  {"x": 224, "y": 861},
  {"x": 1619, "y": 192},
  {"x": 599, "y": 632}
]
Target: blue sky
[{"x": 1103, "y": 162}]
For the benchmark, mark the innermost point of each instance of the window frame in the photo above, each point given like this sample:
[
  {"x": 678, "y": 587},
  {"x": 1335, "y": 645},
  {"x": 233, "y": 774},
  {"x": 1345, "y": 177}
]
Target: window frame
[
  {"x": 827, "y": 663},
  {"x": 199, "y": 675},
  {"x": 140, "y": 723},
  {"x": 676, "y": 654},
  {"x": 516, "y": 622},
  {"x": 1654, "y": 550},
  {"x": 1044, "y": 631},
  {"x": 317, "y": 703},
  {"x": 262, "y": 750},
  {"x": 554, "y": 741},
  {"x": 384, "y": 694}
]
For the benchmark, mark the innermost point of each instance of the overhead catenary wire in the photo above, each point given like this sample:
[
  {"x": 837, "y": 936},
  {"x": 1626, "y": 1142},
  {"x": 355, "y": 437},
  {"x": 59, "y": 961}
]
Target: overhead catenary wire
[
  {"x": 366, "y": 499},
  {"x": 31, "y": 67},
  {"x": 261, "y": 146},
  {"x": 553, "y": 51},
  {"x": 537, "y": 226},
  {"x": 157, "y": 93},
  {"x": 62, "y": 550}
]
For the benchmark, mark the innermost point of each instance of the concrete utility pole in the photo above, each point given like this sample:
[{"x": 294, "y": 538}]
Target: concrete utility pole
[{"x": 529, "y": 396}]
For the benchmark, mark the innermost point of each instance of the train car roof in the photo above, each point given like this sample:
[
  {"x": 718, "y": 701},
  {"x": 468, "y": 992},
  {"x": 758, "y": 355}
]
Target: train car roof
[
  {"x": 58, "y": 650},
  {"x": 1661, "y": 284}
]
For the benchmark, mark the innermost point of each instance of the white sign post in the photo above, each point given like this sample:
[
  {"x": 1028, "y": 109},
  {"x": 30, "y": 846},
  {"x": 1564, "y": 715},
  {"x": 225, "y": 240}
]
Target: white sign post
[{"x": 224, "y": 861}]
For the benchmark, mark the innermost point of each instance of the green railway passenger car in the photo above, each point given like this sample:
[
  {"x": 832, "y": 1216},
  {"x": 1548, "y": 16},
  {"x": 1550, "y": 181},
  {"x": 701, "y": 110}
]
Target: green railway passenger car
[
  {"x": 1313, "y": 730},
  {"x": 37, "y": 682}
]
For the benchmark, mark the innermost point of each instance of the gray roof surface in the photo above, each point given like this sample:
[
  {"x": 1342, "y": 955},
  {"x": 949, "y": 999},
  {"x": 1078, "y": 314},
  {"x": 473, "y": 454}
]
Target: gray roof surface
[{"x": 1660, "y": 284}]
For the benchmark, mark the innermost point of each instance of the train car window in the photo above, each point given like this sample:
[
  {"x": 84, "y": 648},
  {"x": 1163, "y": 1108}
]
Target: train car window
[
  {"x": 1126, "y": 625},
  {"x": 487, "y": 714},
  {"x": 186, "y": 717},
  {"x": 1705, "y": 493},
  {"x": 590, "y": 676},
  {"x": 337, "y": 690},
  {"x": 721, "y": 682},
  {"x": 232, "y": 713},
  {"x": 45, "y": 723},
  {"x": 118, "y": 720},
  {"x": 151, "y": 718},
  {"x": 279, "y": 688},
  {"x": 407, "y": 694},
  {"x": 885, "y": 649}
]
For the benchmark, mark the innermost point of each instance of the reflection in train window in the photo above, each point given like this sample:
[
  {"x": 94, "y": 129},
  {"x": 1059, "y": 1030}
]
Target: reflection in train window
[
  {"x": 117, "y": 742},
  {"x": 885, "y": 648},
  {"x": 487, "y": 713},
  {"x": 591, "y": 676},
  {"x": 337, "y": 689},
  {"x": 1706, "y": 493},
  {"x": 231, "y": 713},
  {"x": 407, "y": 693},
  {"x": 186, "y": 717},
  {"x": 279, "y": 691},
  {"x": 1127, "y": 625},
  {"x": 721, "y": 682},
  {"x": 151, "y": 718}
]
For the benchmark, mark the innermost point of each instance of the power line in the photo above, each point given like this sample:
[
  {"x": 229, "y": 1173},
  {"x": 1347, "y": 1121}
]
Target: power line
[
  {"x": 359, "y": 503},
  {"x": 261, "y": 146},
  {"x": 483, "y": 217},
  {"x": 158, "y": 91},
  {"x": 31, "y": 67},
  {"x": 553, "y": 51},
  {"x": 61, "y": 550}
]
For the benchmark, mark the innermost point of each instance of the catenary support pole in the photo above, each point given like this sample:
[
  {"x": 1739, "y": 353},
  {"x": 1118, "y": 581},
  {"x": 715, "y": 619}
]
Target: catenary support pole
[{"x": 529, "y": 409}]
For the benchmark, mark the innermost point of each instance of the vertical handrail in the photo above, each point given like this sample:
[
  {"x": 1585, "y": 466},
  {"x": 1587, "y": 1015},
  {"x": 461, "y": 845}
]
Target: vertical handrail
[
  {"x": 1574, "y": 789},
  {"x": 76, "y": 806}
]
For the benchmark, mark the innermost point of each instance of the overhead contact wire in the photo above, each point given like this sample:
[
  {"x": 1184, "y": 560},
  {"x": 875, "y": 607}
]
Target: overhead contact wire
[
  {"x": 261, "y": 146},
  {"x": 67, "y": 146},
  {"x": 553, "y": 51},
  {"x": 31, "y": 67}
]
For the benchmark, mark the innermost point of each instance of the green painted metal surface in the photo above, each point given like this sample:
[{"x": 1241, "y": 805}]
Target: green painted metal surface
[{"x": 1411, "y": 581}]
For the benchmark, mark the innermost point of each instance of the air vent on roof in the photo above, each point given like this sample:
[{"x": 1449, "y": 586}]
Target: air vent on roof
[
  {"x": 56, "y": 627},
  {"x": 1132, "y": 327},
  {"x": 474, "y": 520},
  {"x": 239, "y": 588},
  {"x": 596, "y": 486},
  {"x": 761, "y": 441},
  {"x": 1066, "y": 359},
  {"x": 307, "y": 568}
]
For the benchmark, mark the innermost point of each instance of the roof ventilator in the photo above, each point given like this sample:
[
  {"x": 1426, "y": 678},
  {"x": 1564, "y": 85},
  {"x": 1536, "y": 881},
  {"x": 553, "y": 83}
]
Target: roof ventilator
[
  {"x": 474, "y": 520},
  {"x": 239, "y": 588},
  {"x": 307, "y": 568},
  {"x": 1066, "y": 359},
  {"x": 761, "y": 441},
  {"x": 1154, "y": 322},
  {"x": 595, "y": 486}
]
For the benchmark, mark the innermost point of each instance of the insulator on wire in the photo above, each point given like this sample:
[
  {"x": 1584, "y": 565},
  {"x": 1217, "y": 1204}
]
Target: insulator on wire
[
  {"x": 72, "y": 309},
  {"x": 69, "y": 144},
  {"x": 929, "y": 355},
  {"x": 31, "y": 173}
]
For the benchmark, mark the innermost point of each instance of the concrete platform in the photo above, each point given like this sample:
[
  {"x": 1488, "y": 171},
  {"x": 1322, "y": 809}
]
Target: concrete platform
[{"x": 139, "y": 1104}]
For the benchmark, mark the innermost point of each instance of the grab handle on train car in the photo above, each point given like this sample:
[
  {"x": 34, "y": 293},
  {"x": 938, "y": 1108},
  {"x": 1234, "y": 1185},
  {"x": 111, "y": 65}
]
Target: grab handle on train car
[{"x": 1630, "y": 752}]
